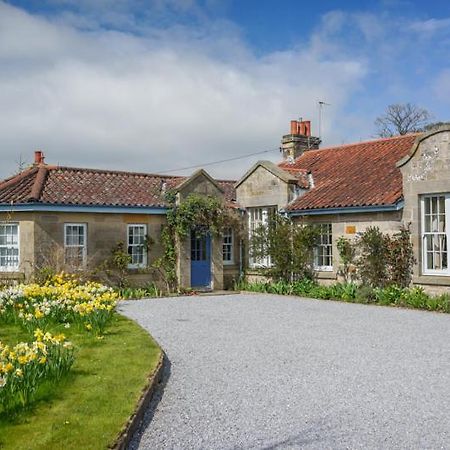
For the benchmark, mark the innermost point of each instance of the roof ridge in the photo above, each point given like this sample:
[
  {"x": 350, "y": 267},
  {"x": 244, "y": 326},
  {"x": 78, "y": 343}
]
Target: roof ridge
[
  {"x": 371, "y": 141},
  {"x": 128, "y": 172},
  {"x": 38, "y": 185},
  {"x": 18, "y": 177},
  {"x": 118, "y": 172}
]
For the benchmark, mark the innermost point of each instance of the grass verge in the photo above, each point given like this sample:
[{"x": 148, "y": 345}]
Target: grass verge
[{"x": 90, "y": 405}]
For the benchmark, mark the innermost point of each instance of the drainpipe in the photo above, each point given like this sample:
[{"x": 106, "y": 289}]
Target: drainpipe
[{"x": 241, "y": 252}]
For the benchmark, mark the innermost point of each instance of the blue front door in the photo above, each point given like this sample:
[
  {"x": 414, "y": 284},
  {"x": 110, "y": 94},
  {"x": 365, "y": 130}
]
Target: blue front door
[{"x": 200, "y": 260}]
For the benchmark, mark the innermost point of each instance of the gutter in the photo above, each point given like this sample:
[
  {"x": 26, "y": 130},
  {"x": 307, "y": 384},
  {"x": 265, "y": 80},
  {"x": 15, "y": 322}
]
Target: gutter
[
  {"x": 347, "y": 210},
  {"x": 42, "y": 207}
]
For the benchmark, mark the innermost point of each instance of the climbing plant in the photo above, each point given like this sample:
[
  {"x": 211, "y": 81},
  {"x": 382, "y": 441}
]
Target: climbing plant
[{"x": 201, "y": 213}]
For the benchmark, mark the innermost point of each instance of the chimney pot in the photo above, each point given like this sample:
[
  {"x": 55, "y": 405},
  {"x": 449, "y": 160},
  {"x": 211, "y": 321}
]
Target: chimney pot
[
  {"x": 39, "y": 157},
  {"x": 299, "y": 140},
  {"x": 307, "y": 128}
]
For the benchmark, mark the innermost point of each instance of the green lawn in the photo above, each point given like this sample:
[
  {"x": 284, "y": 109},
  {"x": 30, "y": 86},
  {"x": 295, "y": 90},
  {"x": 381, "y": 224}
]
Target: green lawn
[{"x": 88, "y": 408}]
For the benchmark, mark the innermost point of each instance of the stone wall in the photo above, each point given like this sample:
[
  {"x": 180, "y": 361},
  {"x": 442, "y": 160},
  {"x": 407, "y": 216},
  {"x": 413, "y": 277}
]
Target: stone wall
[
  {"x": 262, "y": 188},
  {"x": 349, "y": 226},
  {"x": 26, "y": 245},
  {"x": 42, "y": 239},
  {"x": 426, "y": 171}
]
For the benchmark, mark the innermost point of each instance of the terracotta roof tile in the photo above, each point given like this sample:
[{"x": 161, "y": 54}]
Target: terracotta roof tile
[
  {"x": 17, "y": 189},
  {"x": 361, "y": 174},
  {"x": 91, "y": 187}
]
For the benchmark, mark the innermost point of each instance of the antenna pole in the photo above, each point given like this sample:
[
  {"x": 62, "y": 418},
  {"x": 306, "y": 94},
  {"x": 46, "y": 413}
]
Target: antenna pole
[{"x": 321, "y": 105}]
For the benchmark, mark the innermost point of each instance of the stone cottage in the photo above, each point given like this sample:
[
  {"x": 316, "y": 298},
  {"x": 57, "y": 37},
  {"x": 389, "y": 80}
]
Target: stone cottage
[
  {"x": 72, "y": 218},
  {"x": 81, "y": 214},
  {"x": 345, "y": 189}
]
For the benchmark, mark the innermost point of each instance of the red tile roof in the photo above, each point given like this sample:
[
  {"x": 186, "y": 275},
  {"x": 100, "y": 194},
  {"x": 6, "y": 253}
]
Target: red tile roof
[
  {"x": 91, "y": 187},
  {"x": 17, "y": 189},
  {"x": 361, "y": 174}
]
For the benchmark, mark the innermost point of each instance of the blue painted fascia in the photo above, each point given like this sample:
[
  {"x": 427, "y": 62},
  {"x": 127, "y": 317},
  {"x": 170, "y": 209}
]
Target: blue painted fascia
[
  {"x": 348, "y": 210},
  {"x": 42, "y": 207}
]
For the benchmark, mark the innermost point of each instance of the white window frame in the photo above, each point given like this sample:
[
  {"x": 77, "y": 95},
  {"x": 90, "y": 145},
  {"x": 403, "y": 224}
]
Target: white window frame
[
  {"x": 83, "y": 247},
  {"x": 132, "y": 265},
  {"x": 317, "y": 266},
  {"x": 12, "y": 268},
  {"x": 263, "y": 213},
  {"x": 424, "y": 234},
  {"x": 228, "y": 247}
]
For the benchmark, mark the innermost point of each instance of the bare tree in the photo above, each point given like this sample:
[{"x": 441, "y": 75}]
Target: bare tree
[{"x": 402, "y": 118}]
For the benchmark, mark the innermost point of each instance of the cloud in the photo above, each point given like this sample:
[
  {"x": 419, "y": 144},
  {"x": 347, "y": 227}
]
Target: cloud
[
  {"x": 160, "y": 99},
  {"x": 431, "y": 26}
]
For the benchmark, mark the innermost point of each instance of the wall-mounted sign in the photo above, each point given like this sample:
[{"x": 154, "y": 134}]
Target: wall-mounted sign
[{"x": 350, "y": 229}]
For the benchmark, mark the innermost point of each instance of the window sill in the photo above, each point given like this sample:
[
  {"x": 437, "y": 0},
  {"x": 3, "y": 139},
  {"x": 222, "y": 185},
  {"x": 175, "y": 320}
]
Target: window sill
[
  {"x": 438, "y": 280},
  {"x": 323, "y": 269},
  {"x": 137, "y": 268},
  {"x": 325, "y": 274}
]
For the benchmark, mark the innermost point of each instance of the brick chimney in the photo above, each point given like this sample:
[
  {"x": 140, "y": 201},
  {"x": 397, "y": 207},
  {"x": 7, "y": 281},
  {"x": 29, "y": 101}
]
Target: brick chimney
[
  {"x": 39, "y": 158},
  {"x": 298, "y": 141}
]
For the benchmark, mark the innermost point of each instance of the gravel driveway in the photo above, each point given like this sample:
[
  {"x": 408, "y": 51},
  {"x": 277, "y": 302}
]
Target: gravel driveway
[{"x": 270, "y": 372}]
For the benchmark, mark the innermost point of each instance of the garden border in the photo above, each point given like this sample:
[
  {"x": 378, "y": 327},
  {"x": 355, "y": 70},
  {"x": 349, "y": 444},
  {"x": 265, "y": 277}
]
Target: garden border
[{"x": 133, "y": 423}]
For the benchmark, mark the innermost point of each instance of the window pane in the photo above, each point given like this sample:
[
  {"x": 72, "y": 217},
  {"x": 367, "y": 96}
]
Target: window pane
[
  {"x": 427, "y": 202},
  {"x": 435, "y": 239},
  {"x": 228, "y": 245},
  {"x": 9, "y": 246},
  {"x": 441, "y": 205},
  {"x": 427, "y": 224},
  {"x": 75, "y": 245},
  {"x": 323, "y": 252},
  {"x": 136, "y": 244}
]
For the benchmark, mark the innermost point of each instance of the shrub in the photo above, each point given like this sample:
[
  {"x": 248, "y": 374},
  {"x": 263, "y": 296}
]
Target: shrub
[
  {"x": 347, "y": 253},
  {"x": 289, "y": 246},
  {"x": 372, "y": 262},
  {"x": 400, "y": 257},
  {"x": 383, "y": 259}
]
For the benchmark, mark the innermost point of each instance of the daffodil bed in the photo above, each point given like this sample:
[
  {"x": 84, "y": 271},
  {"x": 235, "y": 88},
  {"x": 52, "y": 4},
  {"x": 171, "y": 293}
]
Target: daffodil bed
[{"x": 71, "y": 369}]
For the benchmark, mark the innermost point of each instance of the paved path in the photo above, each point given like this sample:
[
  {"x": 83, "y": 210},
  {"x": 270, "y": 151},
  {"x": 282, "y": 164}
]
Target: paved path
[{"x": 269, "y": 372}]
